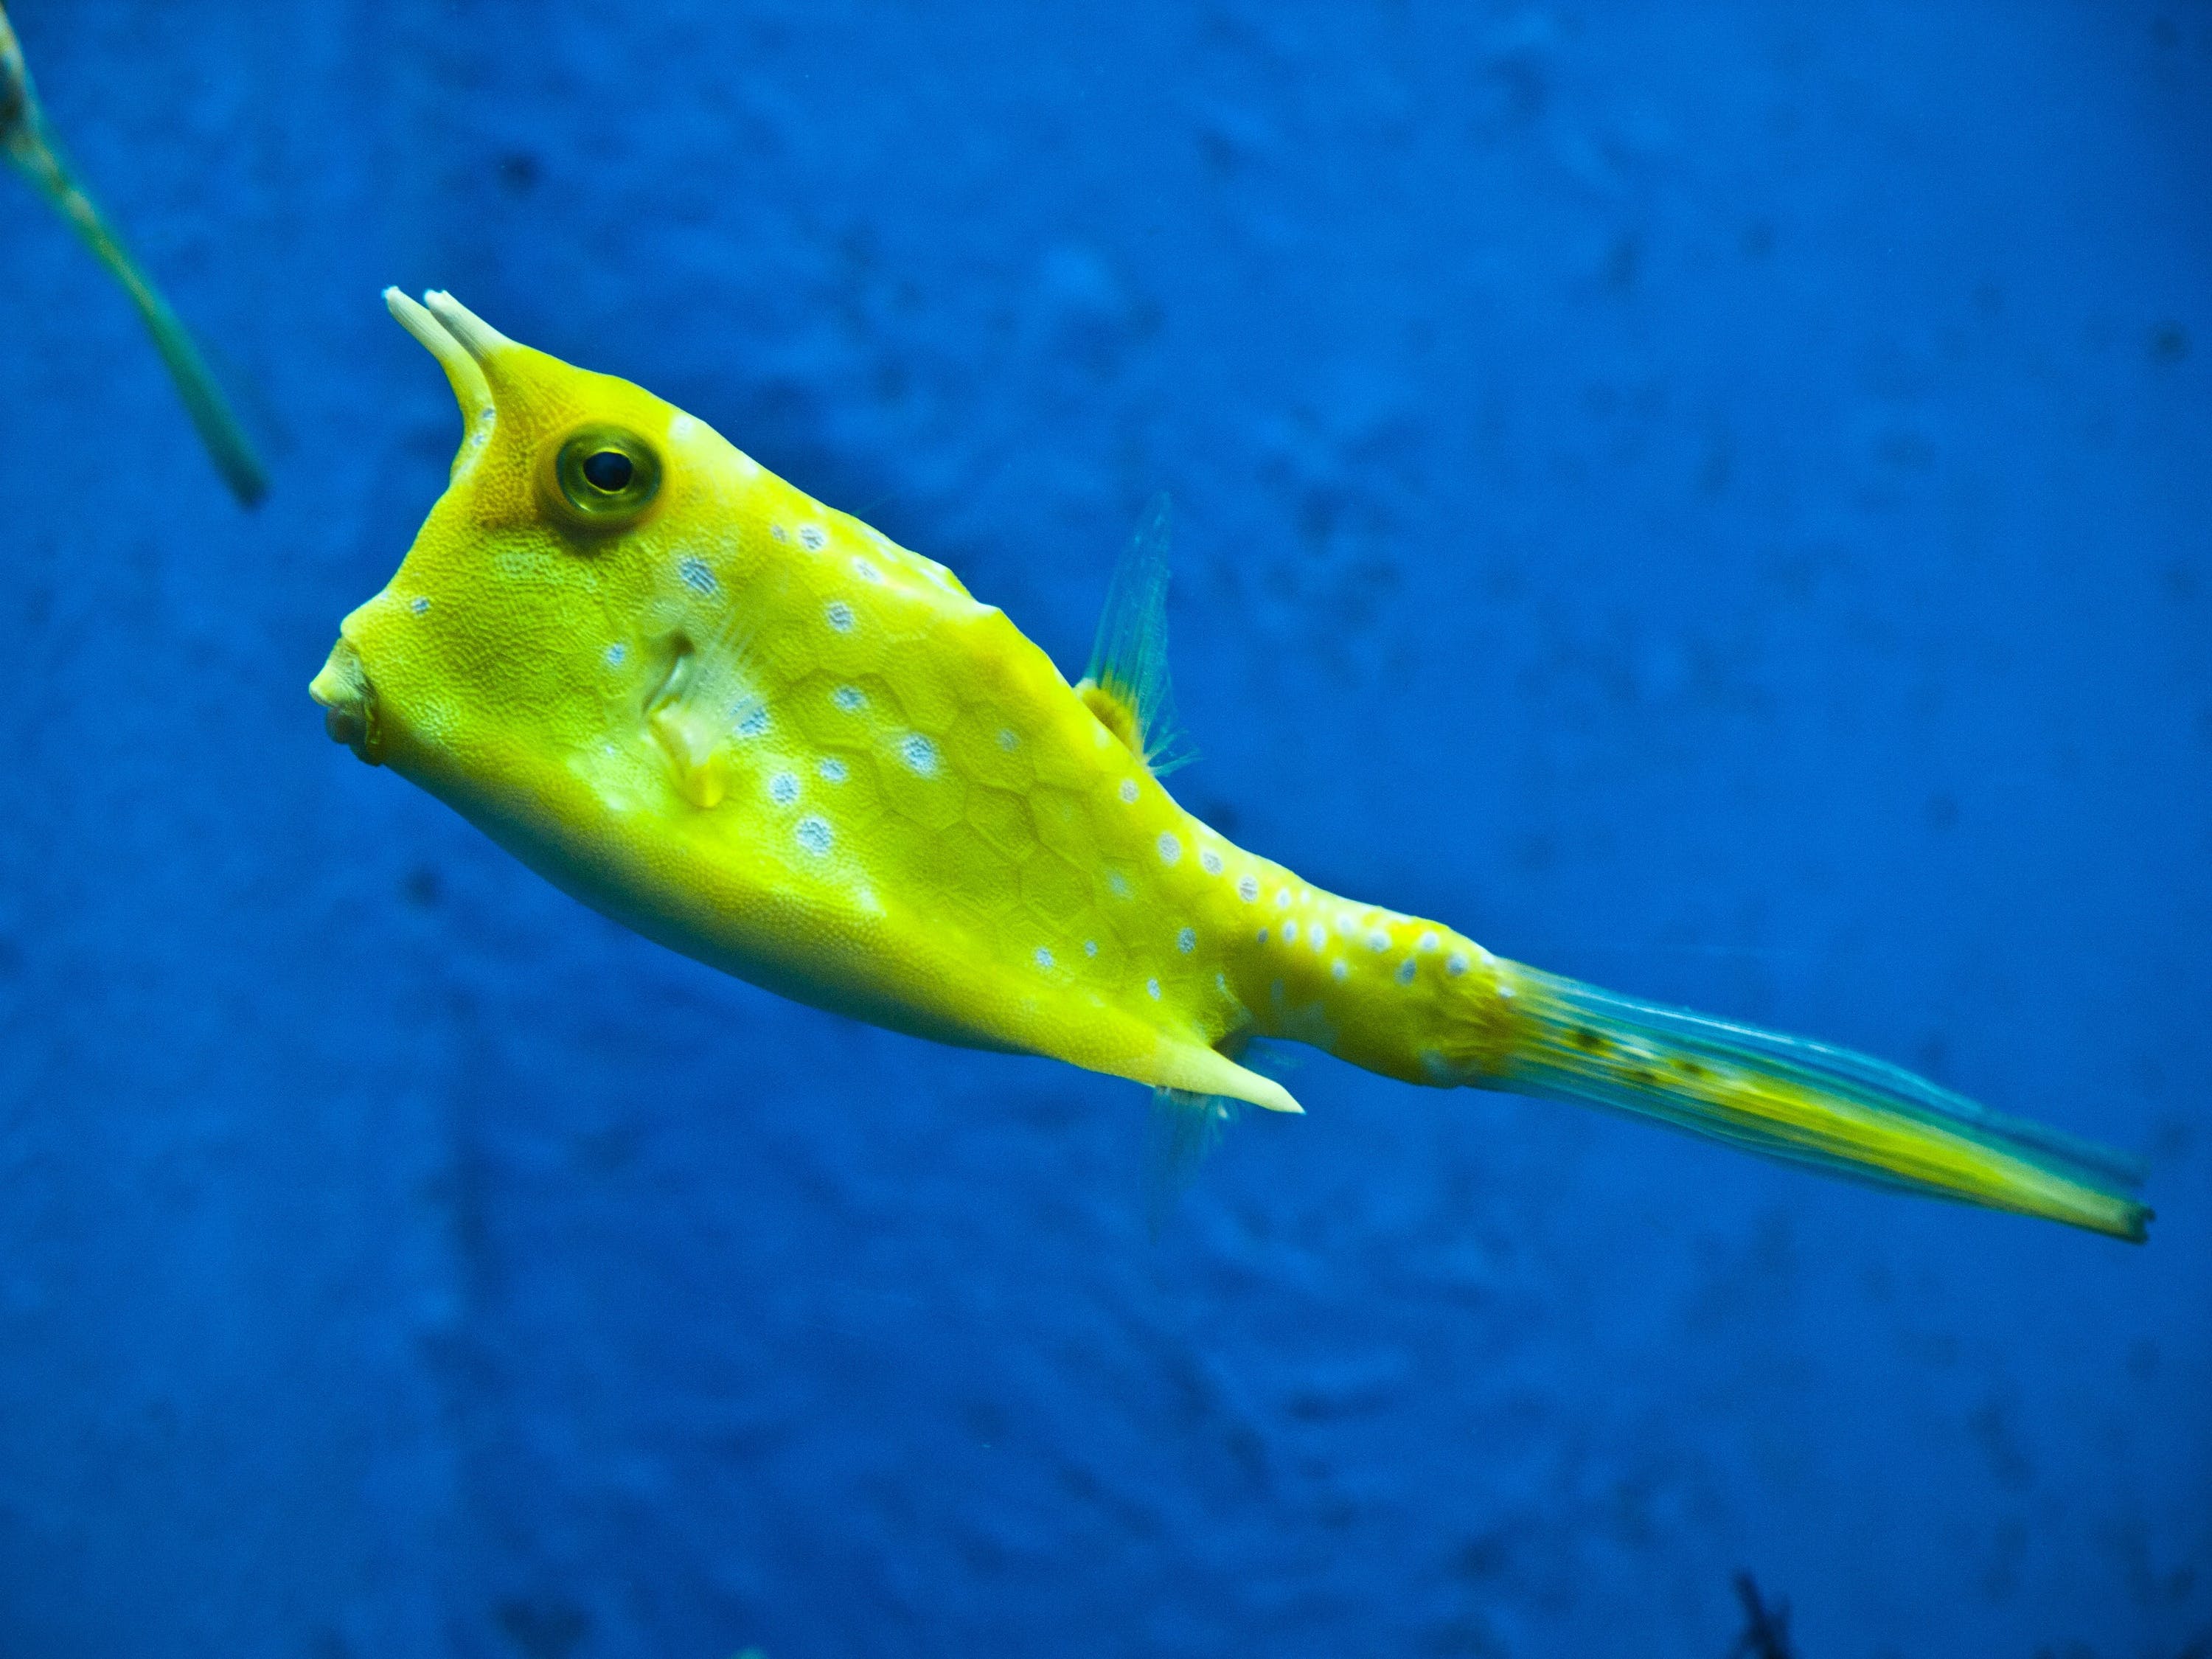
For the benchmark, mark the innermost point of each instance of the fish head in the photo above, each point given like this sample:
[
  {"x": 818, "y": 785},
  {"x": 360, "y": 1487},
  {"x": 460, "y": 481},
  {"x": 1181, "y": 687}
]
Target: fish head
[{"x": 483, "y": 661}]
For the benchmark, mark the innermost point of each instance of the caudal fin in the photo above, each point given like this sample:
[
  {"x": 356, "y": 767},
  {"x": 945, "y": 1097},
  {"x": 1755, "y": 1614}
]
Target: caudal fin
[{"x": 1805, "y": 1103}]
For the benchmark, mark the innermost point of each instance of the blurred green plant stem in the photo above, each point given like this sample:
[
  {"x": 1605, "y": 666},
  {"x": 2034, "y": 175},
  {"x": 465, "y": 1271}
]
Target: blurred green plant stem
[{"x": 30, "y": 146}]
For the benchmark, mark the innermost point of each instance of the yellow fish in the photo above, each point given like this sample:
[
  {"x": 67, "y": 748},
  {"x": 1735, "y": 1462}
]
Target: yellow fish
[{"x": 756, "y": 730}]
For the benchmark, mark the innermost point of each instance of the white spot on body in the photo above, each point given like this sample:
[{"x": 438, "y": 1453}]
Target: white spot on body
[
  {"x": 813, "y": 537},
  {"x": 1043, "y": 957},
  {"x": 1505, "y": 991},
  {"x": 1406, "y": 971},
  {"x": 1008, "y": 741},
  {"x": 1263, "y": 936},
  {"x": 920, "y": 754},
  {"x": 1290, "y": 932},
  {"x": 1426, "y": 942},
  {"x": 1117, "y": 884},
  {"x": 1340, "y": 970},
  {"x": 783, "y": 788},
  {"x": 1186, "y": 940},
  {"x": 752, "y": 722},
  {"x": 779, "y": 532},
  {"x": 1129, "y": 791},
  {"x": 419, "y": 604},
  {"x": 1282, "y": 898},
  {"x": 866, "y": 572},
  {"x": 832, "y": 770},
  {"x": 1152, "y": 989},
  {"x": 1090, "y": 947},
  {"x": 1210, "y": 861},
  {"x": 1317, "y": 936},
  {"x": 1248, "y": 888},
  {"x": 850, "y": 698},
  {"x": 614, "y": 653},
  {"x": 1171, "y": 848},
  {"x": 813, "y": 833},
  {"x": 1378, "y": 940},
  {"x": 1455, "y": 963},
  {"x": 697, "y": 577},
  {"x": 838, "y": 615}
]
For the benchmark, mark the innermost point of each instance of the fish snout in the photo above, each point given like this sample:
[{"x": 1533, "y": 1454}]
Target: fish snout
[{"x": 348, "y": 702}]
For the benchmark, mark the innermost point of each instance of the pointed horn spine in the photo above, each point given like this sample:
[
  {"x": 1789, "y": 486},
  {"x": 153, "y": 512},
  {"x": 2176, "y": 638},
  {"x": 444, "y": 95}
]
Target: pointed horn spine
[
  {"x": 478, "y": 338},
  {"x": 470, "y": 390}
]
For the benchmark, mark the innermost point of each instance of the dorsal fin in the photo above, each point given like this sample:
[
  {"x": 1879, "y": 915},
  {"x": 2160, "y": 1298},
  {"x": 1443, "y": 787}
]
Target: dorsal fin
[{"x": 1126, "y": 684}]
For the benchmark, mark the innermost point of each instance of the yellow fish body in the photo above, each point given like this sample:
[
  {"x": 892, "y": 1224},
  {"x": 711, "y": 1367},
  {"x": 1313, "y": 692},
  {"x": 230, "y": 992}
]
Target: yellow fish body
[{"x": 756, "y": 731}]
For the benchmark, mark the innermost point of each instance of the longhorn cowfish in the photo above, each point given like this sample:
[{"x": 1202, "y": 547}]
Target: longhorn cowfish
[{"x": 759, "y": 731}]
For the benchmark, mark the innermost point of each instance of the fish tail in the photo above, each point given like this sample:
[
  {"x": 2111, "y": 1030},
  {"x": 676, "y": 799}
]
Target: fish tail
[{"x": 1801, "y": 1101}]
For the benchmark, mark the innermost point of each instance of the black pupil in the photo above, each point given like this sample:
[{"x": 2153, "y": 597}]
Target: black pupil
[{"x": 608, "y": 470}]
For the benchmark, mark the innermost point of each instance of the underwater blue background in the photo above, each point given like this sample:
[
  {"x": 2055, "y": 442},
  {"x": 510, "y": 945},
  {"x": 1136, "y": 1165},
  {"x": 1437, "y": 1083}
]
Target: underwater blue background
[{"x": 1711, "y": 499}]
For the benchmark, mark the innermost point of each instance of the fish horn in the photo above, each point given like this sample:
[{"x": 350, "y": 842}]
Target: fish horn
[
  {"x": 441, "y": 332},
  {"x": 478, "y": 337}
]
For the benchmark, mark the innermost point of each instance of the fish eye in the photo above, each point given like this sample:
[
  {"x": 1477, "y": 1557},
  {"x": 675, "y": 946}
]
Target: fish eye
[
  {"x": 606, "y": 477},
  {"x": 607, "y": 470}
]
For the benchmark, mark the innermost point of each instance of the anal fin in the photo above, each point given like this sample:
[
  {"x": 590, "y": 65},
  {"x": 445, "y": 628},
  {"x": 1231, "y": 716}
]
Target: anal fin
[{"x": 1185, "y": 1127}]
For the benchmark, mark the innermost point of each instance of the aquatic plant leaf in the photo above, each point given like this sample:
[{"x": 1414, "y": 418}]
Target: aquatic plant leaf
[{"x": 30, "y": 146}]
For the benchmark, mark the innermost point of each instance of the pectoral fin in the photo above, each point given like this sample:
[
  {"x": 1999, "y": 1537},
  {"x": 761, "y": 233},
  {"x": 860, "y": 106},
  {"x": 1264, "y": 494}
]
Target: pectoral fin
[{"x": 703, "y": 702}]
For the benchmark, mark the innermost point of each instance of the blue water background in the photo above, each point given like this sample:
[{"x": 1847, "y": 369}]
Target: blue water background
[{"x": 1711, "y": 499}]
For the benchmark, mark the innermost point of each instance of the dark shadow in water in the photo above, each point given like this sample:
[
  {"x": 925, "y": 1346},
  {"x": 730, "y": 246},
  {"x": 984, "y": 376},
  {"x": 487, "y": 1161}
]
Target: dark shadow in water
[{"x": 1765, "y": 1629}]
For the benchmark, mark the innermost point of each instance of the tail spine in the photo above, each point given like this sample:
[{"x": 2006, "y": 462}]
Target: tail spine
[{"x": 1803, "y": 1101}]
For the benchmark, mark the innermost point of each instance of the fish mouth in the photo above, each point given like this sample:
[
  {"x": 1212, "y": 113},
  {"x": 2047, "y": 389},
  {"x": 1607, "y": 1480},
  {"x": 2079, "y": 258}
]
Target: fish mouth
[{"x": 348, "y": 703}]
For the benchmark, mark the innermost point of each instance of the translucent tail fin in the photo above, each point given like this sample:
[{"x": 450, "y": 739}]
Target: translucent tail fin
[{"x": 1806, "y": 1103}]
